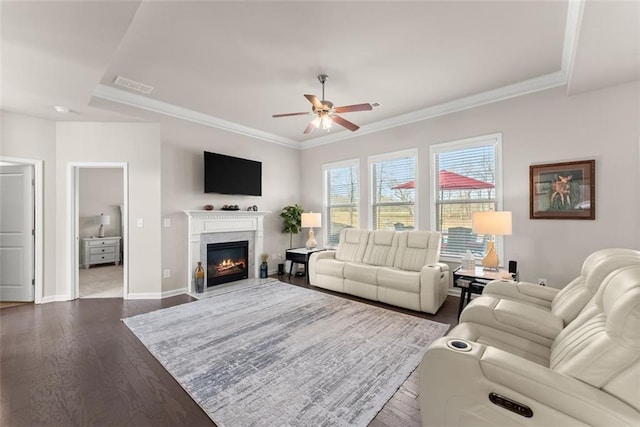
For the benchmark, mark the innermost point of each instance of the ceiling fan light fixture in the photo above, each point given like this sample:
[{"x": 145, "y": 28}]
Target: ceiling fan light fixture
[
  {"x": 325, "y": 112},
  {"x": 326, "y": 122}
]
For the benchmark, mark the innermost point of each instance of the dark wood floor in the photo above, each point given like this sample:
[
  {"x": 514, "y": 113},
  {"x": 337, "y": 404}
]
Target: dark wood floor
[{"x": 76, "y": 364}]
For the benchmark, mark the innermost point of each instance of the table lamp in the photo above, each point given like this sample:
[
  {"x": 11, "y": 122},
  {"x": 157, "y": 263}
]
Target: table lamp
[
  {"x": 310, "y": 219},
  {"x": 104, "y": 220},
  {"x": 492, "y": 224}
]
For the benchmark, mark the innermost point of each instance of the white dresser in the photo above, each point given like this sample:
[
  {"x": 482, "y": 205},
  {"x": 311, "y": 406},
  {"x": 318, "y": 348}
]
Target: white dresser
[{"x": 99, "y": 250}]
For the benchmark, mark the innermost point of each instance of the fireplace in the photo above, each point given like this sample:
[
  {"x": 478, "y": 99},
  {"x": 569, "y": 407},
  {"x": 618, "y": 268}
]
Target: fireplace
[{"x": 227, "y": 262}]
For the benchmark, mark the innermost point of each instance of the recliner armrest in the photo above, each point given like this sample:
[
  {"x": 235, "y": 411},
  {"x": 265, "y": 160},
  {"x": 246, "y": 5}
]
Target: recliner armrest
[
  {"x": 440, "y": 265},
  {"x": 322, "y": 255},
  {"x": 515, "y": 317},
  {"x": 561, "y": 392},
  {"x": 541, "y": 295},
  {"x": 455, "y": 385}
]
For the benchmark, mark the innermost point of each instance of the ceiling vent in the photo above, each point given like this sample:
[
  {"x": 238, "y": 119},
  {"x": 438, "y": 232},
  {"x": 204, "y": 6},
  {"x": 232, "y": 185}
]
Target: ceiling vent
[{"x": 133, "y": 85}]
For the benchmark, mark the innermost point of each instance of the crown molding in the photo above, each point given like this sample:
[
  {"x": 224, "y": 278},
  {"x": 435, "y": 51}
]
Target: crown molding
[
  {"x": 575, "y": 10},
  {"x": 138, "y": 101},
  {"x": 536, "y": 84}
]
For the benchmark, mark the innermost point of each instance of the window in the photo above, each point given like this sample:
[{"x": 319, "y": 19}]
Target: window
[
  {"x": 466, "y": 176},
  {"x": 341, "y": 199},
  {"x": 393, "y": 190}
]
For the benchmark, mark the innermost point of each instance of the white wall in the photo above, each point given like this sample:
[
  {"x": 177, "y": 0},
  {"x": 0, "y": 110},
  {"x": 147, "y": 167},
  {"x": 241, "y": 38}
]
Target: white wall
[
  {"x": 138, "y": 144},
  {"x": 543, "y": 127},
  {"x": 99, "y": 192},
  {"x": 183, "y": 188},
  {"x": 32, "y": 138}
]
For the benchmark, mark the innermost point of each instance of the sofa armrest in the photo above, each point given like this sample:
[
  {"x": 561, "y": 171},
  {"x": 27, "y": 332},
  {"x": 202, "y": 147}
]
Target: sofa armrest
[
  {"x": 540, "y": 295},
  {"x": 555, "y": 390},
  {"x": 321, "y": 255},
  {"x": 455, "y": 385},
  {"x": 434, "y": 285},
  {"x": 529, "y": 321}
]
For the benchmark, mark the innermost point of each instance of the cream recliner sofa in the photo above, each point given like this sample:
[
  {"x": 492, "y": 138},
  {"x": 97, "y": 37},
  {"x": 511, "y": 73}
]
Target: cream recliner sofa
[
  {"x": 400, "y": 268},
  {"x": 528, "y": 328},
  {"x": 592, "y": 376}
]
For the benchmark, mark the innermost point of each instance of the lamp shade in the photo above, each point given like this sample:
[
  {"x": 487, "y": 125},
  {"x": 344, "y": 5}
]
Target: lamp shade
[
  {"x": 105, "y": 219},
  {"x": 491, "y": 222},
  {"x": 310, "y": 219}
]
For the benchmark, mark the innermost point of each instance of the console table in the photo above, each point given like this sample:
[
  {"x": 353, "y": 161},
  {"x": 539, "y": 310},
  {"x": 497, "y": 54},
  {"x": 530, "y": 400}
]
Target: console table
[
  {"x": 300, "y": 256},
  {"x": 473, "y": 281},
  {"x": 99, "y": 250}
]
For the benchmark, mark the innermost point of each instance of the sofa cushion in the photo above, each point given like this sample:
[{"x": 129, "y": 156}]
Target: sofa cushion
[
  {"x": 352, "y": 245},
  {"x": 394, "y": 278},
  {"x": 381, "y": 248},
  {"x": 359, "y": 272},
  {"x": 417, "y": 249}
]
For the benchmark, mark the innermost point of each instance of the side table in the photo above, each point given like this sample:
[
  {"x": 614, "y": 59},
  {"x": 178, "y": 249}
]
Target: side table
[
  {"x": 300, "y": 256},
  {"x": 474, "y": 281}
]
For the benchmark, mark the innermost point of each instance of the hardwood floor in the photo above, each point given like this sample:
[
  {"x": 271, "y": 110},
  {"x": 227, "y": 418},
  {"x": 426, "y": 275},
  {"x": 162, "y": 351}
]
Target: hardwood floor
[{"x": 75, "y": 363}]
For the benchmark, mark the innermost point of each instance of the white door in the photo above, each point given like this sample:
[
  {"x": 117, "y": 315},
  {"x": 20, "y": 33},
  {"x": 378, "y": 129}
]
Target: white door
[{"x": 16, "y": 233}]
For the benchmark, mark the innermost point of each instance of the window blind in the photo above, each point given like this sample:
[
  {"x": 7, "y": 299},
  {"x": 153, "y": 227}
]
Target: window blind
[
  {"x": 341, "y": 199},
  {"x": 465, "y": 182},
  {"x": 393, "y": 180}
]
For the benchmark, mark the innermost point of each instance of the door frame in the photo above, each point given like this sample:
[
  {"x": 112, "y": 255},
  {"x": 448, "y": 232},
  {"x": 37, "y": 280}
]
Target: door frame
[
  {"x": 73, "y": 251},
  {"x": 38, "y": 204}
]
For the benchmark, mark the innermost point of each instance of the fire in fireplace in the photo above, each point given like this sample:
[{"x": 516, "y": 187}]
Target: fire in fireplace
[{"x": 227, "y": 262}]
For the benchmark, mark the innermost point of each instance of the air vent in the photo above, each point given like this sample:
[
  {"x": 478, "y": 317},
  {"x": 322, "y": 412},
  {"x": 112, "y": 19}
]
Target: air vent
[{"x": 133, "y": 85}]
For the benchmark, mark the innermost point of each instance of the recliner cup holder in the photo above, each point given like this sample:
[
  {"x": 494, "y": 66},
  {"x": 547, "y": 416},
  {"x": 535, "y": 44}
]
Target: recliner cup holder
[{"x": 459, "y": 345}]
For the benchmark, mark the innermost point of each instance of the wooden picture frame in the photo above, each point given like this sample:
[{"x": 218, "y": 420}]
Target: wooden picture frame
[{"x": 563, "y": 190}]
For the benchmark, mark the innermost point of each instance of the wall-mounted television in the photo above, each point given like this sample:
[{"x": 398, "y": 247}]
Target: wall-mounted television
[{"x": 232, "y": 175}]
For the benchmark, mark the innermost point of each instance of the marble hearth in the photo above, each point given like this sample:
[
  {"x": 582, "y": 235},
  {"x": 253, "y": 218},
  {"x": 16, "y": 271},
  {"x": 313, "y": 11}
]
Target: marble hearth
[{"x": 223, "y": 226}]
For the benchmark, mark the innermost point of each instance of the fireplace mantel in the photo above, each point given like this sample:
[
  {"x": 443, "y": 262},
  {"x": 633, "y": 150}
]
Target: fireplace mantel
[{"x": 201, "y": 222}]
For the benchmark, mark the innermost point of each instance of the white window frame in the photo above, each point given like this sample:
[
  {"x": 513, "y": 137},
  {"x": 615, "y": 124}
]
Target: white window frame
[
  {"x": 461, "y": 144},
  {"x": 325, "y": 196},
  {"x": 413, "y": 152}
]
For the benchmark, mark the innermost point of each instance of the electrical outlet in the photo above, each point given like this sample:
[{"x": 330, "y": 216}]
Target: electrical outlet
[
  {"x": 542, "y": 282},
  {"x": 166, "y": 274}
]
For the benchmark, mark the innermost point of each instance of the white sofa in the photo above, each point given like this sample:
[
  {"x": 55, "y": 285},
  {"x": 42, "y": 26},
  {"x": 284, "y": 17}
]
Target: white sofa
[
  {"x": 589, "y": 377},
  {"x": 527, "y": 326},
  {"x": 400, "y": 268}
]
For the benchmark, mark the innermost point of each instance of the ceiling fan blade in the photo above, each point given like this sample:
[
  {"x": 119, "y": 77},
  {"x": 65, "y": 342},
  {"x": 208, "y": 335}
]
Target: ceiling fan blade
[
  {"x": 310, "y": 128},
  {"x": 292, "y": 114},
  {"x": 355, "y": 107},
  {"x": 315, "y": 101},
  {"x": 346, "y": 123}
]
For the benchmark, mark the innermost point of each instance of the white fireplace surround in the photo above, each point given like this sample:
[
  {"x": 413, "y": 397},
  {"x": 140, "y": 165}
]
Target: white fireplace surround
[{"x": 204, "y": 222}]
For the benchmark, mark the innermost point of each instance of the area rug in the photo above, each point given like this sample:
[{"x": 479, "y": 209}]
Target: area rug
[{"x": 274, "y": 354}]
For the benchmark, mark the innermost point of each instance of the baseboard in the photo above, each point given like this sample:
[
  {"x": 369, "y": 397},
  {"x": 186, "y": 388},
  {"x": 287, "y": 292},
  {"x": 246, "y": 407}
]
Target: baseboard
[
  {"x": 54, "y": 298},
  {"x": 144, "y": 295},
  {"x": 174, "y": 292},
  {"x": 157, "y": 295},
  {"x": 453, "y": 292}
]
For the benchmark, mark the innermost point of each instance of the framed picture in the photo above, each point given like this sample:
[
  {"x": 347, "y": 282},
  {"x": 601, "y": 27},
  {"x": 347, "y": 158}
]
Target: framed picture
[{"x": 563, "y": 190}]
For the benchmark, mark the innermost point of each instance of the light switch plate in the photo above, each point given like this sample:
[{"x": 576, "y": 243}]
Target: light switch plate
[
  {"x": 167, "y": 222},
  {"x": 140, "y": 222},
  {"x": 166, "y": 274}
]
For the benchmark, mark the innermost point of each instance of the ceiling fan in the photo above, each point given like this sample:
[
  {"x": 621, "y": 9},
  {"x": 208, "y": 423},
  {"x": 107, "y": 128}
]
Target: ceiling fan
[{"x": 325, "y": 112}]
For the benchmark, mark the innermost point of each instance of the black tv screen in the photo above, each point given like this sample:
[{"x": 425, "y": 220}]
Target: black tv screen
[{"x": 232, "y": 175}]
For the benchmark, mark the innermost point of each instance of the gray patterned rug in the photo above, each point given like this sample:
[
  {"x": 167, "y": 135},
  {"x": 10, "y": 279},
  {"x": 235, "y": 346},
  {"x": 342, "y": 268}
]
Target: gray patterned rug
[{"x": 278, "y": 355}]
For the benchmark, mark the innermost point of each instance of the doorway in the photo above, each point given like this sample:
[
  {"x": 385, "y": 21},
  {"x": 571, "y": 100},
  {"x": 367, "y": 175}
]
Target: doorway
[
  {"x": 98, "y": 219},
  {"x": 21, "y": 230}
]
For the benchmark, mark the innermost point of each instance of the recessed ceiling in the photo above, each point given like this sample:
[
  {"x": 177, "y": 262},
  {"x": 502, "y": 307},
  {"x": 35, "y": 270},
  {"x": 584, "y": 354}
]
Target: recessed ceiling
[{"x": 233, "y": 64}]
